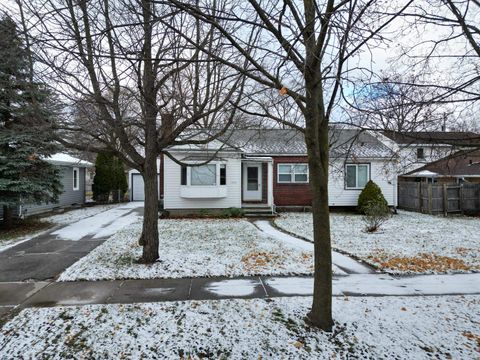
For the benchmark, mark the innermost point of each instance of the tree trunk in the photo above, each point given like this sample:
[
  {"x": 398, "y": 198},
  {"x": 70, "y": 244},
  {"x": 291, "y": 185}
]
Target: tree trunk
[
  {"x": 317, "y": 147},
  {"x": 7, "y": 217},
  {"x": 149, "y": 237},
  {"x": 317, "y": 142}
]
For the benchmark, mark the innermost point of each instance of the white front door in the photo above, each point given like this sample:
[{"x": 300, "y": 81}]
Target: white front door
[{"x": 252, "y": 181}]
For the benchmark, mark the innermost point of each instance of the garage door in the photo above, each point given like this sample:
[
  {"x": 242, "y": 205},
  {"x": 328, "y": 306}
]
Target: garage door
[{"x": 138, "y": 191}]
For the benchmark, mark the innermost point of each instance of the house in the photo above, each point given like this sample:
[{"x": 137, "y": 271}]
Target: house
[
  {"x": 416, "y": 149},
  {"x": 73, "y": 175},
  {"x": 267, "y": 168},
  {"x": 460, "y": 167}
]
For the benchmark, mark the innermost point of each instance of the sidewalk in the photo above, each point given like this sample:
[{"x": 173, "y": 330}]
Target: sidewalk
[{"x": 44, "y": 294}]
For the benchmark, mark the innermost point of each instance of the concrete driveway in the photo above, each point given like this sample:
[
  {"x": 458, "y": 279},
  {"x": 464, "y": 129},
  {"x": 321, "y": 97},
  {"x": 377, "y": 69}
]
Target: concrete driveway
[{"x": 46, "y": 256}]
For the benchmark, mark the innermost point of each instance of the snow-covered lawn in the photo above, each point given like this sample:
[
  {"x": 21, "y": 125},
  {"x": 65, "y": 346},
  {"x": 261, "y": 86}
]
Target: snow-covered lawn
[
  {"x": 408, "y": 243},
  {"x": 193, "y": 248},
  {"x": 367, "y": 328}
]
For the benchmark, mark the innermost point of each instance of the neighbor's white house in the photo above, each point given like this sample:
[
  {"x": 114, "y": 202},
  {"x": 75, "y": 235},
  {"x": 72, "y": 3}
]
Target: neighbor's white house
[
  {"x": 267, "y": 169},
  {"x": 417, "y": 149}
]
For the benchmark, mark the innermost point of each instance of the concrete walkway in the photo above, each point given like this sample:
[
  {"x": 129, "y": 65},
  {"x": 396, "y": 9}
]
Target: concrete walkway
[
  {"x": 48, "y": 294},
  {"x": 46, "y": 256},
  {"x": 343, "y": 262}
]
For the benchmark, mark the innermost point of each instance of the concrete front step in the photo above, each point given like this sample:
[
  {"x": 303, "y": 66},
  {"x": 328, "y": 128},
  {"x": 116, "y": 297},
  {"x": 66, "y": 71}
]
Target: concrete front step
[
  {"x": 260, "y": 215},
  {"x": 258, "y": 211}
]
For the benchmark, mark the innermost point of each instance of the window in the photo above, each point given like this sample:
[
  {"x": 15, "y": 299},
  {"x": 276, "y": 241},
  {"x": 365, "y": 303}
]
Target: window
[
  {"x": 76, "y": 179},
  {"x": 357, "y": 176},
  {"x": 223, "y": 174},
  {"x": 203, "y": 175},
  {"x": 292, "y": 173},
  {"x": 252, "y": 178},
  {"x": 420, "y": 154}
]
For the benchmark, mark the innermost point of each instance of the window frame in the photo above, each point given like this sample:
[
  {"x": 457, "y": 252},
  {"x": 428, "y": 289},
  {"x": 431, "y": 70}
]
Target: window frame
[
  {"x": 188, "y": 173},
  {"x": 369, "y": 167},
  {"x": 292, "y": 173},
  {"x": 77, "y": 178}
]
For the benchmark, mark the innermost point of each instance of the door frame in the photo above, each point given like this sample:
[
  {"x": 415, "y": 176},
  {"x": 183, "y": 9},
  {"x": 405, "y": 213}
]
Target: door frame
[{"x": 252, "y": 195}]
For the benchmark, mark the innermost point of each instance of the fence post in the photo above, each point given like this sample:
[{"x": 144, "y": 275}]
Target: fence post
[
  {"x": 461, "y": 198},
  {"x": 429, "y": 188},
  {"x": 419, "y": 192},
  {"x": 445, "y": 200}
]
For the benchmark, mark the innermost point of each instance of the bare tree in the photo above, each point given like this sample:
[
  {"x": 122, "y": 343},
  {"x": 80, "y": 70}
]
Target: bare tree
[
  {"x": 145, "y": 84},
  {"x": 304, "y": 55},
  {"x": 444, "y": 43},
  {"x": 396, "y": 103}
]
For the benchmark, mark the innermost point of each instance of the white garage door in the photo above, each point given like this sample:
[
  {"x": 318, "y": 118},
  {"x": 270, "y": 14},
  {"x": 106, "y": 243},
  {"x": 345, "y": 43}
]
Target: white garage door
[{"x": 138, "y": 191}]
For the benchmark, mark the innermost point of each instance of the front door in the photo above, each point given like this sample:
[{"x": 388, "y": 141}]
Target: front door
[{"x": 252, "y": 182}]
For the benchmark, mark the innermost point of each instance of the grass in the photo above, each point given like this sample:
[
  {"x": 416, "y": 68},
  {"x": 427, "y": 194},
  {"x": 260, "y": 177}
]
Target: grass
[{"x": 22, "y": 228}]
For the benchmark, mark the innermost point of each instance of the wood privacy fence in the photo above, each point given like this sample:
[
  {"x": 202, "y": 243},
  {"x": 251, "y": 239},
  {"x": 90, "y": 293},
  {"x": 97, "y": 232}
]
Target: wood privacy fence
[{"x": 439, "y": 198}]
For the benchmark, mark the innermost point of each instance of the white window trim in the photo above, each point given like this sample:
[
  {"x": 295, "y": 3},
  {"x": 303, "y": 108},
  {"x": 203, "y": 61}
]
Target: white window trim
[
  {"x": 356, "y": 176},
  {"x": 76, "y": 188},
  {"x": 217, "y": 175},
  {"x": 292, "y": 181}
]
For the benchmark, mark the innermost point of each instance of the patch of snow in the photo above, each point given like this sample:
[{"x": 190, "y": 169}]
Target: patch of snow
[
  {"x": 104, "y": 224},
  {"x": 232, "y": 287},
  {"x": 375, "y": 284},
  {"x": 66, "y": 159},
  {"x": 193, "y": 248},
  {"x": 406, "y": 235},
  {"x": 366, "y": 328},
  {"x": 78, "y": 214}
]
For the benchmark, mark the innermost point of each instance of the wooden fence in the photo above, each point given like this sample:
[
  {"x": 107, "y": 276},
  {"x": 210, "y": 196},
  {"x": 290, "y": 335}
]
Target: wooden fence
[{"x": 439, "y": 198}]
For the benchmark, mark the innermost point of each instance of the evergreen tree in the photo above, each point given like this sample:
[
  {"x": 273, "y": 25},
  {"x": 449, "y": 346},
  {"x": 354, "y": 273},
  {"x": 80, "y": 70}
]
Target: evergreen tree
[
  {"x": 109, "y": 178},
  {"x": 120, "y": 185},
  {"x": 103, "y": 179},
  {"x": 25, "y": 129}
]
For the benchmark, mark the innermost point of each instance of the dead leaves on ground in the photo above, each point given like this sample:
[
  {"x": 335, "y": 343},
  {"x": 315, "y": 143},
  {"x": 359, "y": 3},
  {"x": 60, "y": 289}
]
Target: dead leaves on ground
[{"x": 423, "y": 263}]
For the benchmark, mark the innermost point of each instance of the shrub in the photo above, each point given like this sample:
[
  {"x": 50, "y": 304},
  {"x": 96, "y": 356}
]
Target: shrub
[
  {"x": 371, "y": 193},
  {"x": 233, "y": 212},
  {"x": 375, "y": 215}
]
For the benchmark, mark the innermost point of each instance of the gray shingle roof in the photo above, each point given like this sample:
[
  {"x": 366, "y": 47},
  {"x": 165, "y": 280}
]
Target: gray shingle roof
[
  {"x": 343, "y": 142},
  {"x": 459, "y": 138}
]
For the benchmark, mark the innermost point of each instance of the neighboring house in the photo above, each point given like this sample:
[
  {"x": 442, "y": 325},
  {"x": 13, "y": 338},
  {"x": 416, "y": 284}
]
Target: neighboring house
[
  {"x": 72, "y": 173},
  {"x": 269, "y": 168},
  {"x": 416, "y": 149},
  {"x": 463, "y": 166}
]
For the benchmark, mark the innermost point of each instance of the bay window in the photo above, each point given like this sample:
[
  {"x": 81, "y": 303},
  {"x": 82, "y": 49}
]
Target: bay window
[{"x": 204, "y": 175}]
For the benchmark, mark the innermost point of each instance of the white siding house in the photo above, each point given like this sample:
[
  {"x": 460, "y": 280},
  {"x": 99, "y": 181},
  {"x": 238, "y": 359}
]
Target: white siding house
[{"x": 269, "y": 168}]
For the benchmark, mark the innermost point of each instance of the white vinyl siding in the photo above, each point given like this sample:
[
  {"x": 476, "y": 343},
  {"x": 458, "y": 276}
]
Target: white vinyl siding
[
  {"x": 292, "y": 173},
  {"x": 380, "y": 173}
]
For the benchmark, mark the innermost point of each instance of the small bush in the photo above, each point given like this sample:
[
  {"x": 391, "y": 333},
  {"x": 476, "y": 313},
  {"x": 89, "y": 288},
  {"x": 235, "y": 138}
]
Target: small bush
[
  {"x": 233, "y": 212},
  {"x": 371, "y": 193},
  {"x": 375, "y": 215}
]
